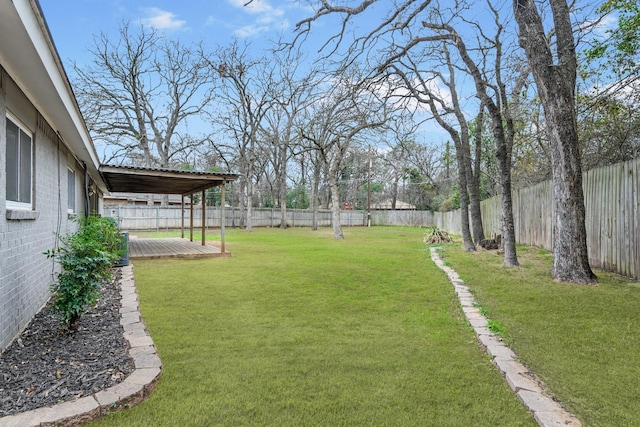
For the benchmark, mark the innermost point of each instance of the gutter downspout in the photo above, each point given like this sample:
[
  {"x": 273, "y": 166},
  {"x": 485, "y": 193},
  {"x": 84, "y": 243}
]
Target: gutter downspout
[{"x": 87, "y": 203}]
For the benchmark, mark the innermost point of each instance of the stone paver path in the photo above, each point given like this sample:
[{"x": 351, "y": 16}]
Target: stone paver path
[{"x": 529, "y": 388}]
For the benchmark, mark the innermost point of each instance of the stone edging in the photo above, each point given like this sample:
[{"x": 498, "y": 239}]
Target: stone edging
[
  {"x": 135, "y": 388},
  {"x": 524, "y": 383}
]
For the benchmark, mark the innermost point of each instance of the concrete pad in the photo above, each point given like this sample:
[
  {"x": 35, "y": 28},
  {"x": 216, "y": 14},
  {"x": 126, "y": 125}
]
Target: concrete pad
[
  {"x": 468, "y": 302},
  {"x": 501, "y": 350},
  {"x": 471, "y": 310},
  {"x": 147, "y": 361},
  {"x": 556, "y": 419},
  {"x": 140, "y": 341},
  {"x": 130, "y": 317},
  {"x": 130, "y": 299},
  {"x": 121, "y": 395},
  {"x": 489, "y": 339},
  {"x": 127, "y": 285},
  {"x": 128, "y": 308},
  {"x": 477, "y": 321},
  {"x": 141, "y": 351},
  {"x": 136, "y": 326},
  {"x": 516, "y": 375},
  {"x": 537, "y": 402},
  {"x": 135, "y": 334},
  {"x": 129, "y": 321},
  {"x": 128, "y": 296},
  {"x": 75, "y": 412},
  {"x": 462, "y": 290},
  {"x": 143, "y": 376},
  {"x": 145, "y": 357},
  {"x": 24, "y": 419},
  {"x": 483, "y": 331}
]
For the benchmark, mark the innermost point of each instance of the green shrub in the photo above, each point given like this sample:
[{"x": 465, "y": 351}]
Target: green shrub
[{"x": 86, "y": 258}]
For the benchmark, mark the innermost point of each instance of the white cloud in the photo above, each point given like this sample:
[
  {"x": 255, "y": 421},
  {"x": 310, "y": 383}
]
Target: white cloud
[
  {"x": 162, "y": 19},
  {"x": 249, "y": 30},
  {"x": 266, "y": 17}
]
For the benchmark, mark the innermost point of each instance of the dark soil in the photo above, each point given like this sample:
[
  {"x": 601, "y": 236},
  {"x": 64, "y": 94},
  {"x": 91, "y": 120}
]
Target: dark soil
[{"x": 48, "y": 364}]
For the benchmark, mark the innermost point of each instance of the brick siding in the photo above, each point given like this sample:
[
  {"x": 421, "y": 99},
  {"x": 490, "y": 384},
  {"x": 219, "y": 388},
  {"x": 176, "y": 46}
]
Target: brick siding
[{"x": 26, "y": 275}]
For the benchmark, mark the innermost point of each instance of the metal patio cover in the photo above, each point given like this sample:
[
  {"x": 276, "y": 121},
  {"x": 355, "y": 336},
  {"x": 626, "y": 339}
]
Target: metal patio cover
[{"x": 128, "y": 179}]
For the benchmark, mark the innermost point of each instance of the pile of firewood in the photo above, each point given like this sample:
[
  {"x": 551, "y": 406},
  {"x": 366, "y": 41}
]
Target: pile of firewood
[
  {"x": 492, "y": 243},
  {"x": 435, "y": 236}
]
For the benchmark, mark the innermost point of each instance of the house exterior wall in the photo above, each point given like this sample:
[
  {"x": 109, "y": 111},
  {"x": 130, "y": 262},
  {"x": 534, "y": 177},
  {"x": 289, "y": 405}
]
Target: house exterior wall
[{"x": 26, "y": 275}]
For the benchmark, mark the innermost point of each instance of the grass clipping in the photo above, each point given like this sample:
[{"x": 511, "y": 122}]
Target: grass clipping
[{"x": 436, "y": 236}]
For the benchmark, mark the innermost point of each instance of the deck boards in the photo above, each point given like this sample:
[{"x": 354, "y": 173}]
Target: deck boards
[{"x": 140, "y": 248}]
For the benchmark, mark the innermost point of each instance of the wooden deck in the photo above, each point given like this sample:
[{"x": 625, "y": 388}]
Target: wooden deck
[{"x": 140, "y": 248}]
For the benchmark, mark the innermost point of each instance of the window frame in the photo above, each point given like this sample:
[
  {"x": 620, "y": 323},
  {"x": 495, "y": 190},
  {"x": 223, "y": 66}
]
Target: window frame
[
  {"x": 13, "y": 204},
  {"x": 71, "y": 198}
]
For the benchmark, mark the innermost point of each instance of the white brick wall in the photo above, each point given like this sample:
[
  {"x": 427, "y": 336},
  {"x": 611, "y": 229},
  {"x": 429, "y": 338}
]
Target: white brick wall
[{"x": 26, "y": 275}]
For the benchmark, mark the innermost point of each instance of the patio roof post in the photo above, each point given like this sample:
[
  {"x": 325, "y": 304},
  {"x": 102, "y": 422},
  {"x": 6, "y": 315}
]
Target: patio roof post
[
  {"x": 222, "y": 218},
  {"x": 182, "y": 216},
  {"x": 204, "y": 216},
  {"x": 191, "y": 219}
]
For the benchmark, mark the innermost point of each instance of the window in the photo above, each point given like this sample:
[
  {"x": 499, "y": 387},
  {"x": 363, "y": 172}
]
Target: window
[
  {"x": 19, "y": 158},
  {"x": 71, "y": 191}
]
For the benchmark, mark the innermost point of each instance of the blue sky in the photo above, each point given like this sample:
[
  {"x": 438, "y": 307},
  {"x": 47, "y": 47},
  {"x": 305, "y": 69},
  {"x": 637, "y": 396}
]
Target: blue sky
[{"x": 73, "y": 23}]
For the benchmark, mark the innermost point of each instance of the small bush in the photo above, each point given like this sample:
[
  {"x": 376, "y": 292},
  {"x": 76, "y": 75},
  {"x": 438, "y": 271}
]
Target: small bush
[{"x": 86, "y": 258}]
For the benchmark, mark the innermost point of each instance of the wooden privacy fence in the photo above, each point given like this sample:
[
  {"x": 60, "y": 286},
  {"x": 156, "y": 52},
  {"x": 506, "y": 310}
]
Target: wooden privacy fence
[
  {"x": 158, "y": 218},
  {"x": 612, "y": 219}
]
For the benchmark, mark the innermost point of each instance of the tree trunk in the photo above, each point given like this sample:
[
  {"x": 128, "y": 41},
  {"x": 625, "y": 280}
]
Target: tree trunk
[
  {"x": 315, "y": 185},
  {"x": 570, "y": 257},
  {"x": 282, "y": 200},
  {"x": 473, "y": 187},
  {"x": 249, "y": 198},
  {"x": 335, "y": 208},
  {"x": 556, "y": 87},
  {"x": 464, "y": 202},
  {"x": 394, "y": 189},
  {"x": 474, "y": 181},
  {"x": 282, "y": 185},
  {"x": 503, "y": 153}
]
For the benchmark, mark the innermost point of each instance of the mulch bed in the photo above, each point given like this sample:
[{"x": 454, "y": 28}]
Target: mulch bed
[{"x": 47, "y": 364}]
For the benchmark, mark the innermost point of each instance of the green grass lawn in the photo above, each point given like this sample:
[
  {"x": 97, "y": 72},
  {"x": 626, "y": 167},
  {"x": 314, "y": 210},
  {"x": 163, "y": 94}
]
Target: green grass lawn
[
  {"x": 298, "y": 329},
  {"x": 583, "y": 341}
]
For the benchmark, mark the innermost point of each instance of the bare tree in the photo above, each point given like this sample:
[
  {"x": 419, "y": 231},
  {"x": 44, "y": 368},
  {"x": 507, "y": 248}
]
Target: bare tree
[
  {"x": 403, "y": 31},
  {"x": 347, "y": 110},
  {"x": 242, "y": 96},
  {"x": 494, "y": 96},
  {"x": 289, "y": 94},
  {"x": 432, "y": 87},
  {"x": 555, "y": 76},
  {"x": 139, "y": 93}
]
